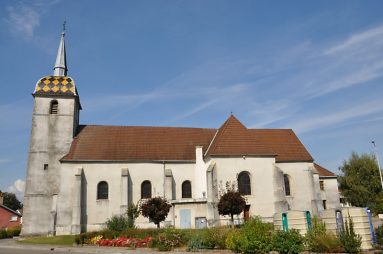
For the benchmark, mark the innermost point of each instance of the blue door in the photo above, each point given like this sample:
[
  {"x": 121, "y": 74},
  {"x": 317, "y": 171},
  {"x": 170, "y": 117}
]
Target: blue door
[{"x": 185, "y": 218}]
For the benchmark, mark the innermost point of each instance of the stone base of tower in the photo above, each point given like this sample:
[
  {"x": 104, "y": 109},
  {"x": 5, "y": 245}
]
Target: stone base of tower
[{"x": 37, "y": 217}]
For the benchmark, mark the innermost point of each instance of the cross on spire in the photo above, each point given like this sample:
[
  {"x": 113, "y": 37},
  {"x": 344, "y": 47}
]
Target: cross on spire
[{"x": 64, "y": 24}]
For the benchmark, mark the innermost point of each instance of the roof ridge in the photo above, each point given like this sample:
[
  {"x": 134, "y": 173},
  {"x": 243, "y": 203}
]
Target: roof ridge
[
  {"x": 11, "y": 210},
  {"x": 322, "y": 171},
  {"x": 146, "y": 126}
]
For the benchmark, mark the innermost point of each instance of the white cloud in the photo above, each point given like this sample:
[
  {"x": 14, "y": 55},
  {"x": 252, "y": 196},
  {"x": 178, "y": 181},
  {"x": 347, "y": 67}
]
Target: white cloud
[
  {"x": 24, "y": 17},
  {"x": 18, "y": 188},
  {"x": 330, "y": 119},
  {"x": 23, "y": 20},
  {"x": 357, "y": 40}
]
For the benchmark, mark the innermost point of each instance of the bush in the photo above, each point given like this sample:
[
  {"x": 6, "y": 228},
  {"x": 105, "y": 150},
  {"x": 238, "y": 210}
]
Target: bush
[
  {"x": 14, "y": 231},
  {"x": 3, "y": 234},
  {"x": 290, "y": 242},
  {"x": 379, "y": 236},
  {"x": 10, "y": 232},
  {"x": 217, "y": 237},
  {"x": 319, "y": 240},
  {"x": 118, "y": 223},
  {"x": 85, "y": 238},
  {"x": 208, "y": 238},
  {"x": 169, "y": 239},
  {"x": 195, "y": 243},
  {"x": 133, "y": 212},
  {"x": 229, "y": 243},
  {"x": 350, "y": 240},
  {"x": 254, "y": 237}
]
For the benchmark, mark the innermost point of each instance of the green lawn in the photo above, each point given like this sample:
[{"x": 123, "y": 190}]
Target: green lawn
[{"x": 54, "y": 240}]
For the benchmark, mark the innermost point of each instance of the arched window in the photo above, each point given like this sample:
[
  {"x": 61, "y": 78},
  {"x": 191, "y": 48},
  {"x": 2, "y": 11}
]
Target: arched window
[
  {"x": 146, "y": 189},
  {"x": 186, "y": 189},
  {"x": 244, "y": 186},
  {"x": 102, "y": 190},
  {"x": 54, "y": 107},
  {"x": 286, "y": 180}
]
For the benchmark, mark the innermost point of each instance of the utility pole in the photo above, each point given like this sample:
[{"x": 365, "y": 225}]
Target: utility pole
[{"x": 377, "y": 160}]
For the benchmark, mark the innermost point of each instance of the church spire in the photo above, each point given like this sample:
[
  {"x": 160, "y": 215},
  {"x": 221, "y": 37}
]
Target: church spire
[{"x": 60, "y": 68}]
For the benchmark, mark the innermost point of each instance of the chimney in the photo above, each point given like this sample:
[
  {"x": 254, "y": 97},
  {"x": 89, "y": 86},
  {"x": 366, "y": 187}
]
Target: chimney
[{"x": 1, "y": 198}]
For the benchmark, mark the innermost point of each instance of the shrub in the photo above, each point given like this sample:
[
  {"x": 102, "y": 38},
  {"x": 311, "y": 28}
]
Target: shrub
[
  {"x": 290, "y": 242},
  {"x": 10, "y": 232},
  {"x": 195, "y": 243},
  {"x": 117, "y": 223},
  {"x": 169, "y": 239},
  {"x": 85, "y": 238},
  {"x": 229, "y": 242},
  {"x": 350, "y": 240},
  {"x": 254, "y": 237},
  {"x": 3, "y": 234},
  {"x": 133, "y": 212},
  {"x": 217, "y": 237},
  {"x": 319, "y": 240},
  {"x": 208, "y": 238},
  {"x": 379, "y": 235},
  {"x": 13, "y": 231}
]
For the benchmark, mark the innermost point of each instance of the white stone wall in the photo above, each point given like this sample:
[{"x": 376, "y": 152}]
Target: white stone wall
[
  {"x": 261, "y": 172},
  {"x": 50, "y": 139},
  {"x": 267, "y": 189},
  {"x": 330, "y": 192},
  {"x": 303, "y": 195}
]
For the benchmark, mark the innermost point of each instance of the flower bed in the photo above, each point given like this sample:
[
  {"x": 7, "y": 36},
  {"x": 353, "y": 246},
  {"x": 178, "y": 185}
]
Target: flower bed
[{"x": 125, "y": 242}]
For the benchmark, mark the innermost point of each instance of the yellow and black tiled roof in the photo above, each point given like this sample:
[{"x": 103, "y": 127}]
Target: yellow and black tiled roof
[{"x": 55, "y": 85}]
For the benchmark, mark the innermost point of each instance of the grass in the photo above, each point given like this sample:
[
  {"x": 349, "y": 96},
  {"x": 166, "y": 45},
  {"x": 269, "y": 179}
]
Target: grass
[{"x": 54, "y": 240}]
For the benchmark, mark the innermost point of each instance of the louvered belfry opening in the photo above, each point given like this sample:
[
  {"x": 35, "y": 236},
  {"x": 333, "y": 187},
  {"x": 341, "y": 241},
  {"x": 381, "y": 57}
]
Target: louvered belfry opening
[{"x": 54, "y": 107}]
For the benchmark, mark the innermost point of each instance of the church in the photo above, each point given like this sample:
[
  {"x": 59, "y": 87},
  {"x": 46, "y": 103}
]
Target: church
[{"x": 80, "y": 175}]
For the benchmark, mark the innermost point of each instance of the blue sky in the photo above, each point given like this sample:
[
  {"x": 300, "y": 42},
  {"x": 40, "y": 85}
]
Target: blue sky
[{"x": 313, "y": 66}]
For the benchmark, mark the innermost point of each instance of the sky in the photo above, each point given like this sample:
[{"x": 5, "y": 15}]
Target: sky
[{"x": 313, "y": 66}]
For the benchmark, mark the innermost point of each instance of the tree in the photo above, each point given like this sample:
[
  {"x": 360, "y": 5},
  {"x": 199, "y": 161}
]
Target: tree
[
  {"x": 156, "y": 209},
  {"x": 133, "y": 212},
  {"x": 360, "y": 182},
  {"x": 10, "y": 200},
  {"x": 231, "y": 203}
]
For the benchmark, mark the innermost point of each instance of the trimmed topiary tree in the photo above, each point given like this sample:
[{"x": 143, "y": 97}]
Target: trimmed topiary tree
[
  {"x": 156, "y": 209},
  {"x": 231, "y": 203}
]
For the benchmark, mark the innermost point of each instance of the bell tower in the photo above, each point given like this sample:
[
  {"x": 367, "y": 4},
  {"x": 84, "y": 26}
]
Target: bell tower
[{"x": 55, "y": 120}]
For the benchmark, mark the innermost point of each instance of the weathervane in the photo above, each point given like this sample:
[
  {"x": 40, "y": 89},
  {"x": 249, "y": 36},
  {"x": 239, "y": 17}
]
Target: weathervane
[{"x": 64, "y": 24}]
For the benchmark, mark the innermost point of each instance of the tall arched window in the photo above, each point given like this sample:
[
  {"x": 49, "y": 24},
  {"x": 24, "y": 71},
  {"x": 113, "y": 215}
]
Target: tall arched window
[
  {"x": 186, "y": 189},
  {"x": 54, "y": 107},
  {"x": 244, "y": 186},
  {"x": 286, "y": 180},
  {"x": 146, "y": 189},
  {"x": 102, "y": 190}
]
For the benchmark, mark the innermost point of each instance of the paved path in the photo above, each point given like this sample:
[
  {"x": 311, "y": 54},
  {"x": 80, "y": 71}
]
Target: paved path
[{"x": 11, "y": 246}]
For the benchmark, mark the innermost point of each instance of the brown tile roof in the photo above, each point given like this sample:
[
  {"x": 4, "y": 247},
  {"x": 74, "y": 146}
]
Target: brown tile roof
[
  {"x": 322, "y": 171},
  {"x": 234, "y": 139},
  {"x": 284, "y": 142},
  {"x": 119, "y": 143},
  {"x": 125, "y": 143}
]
